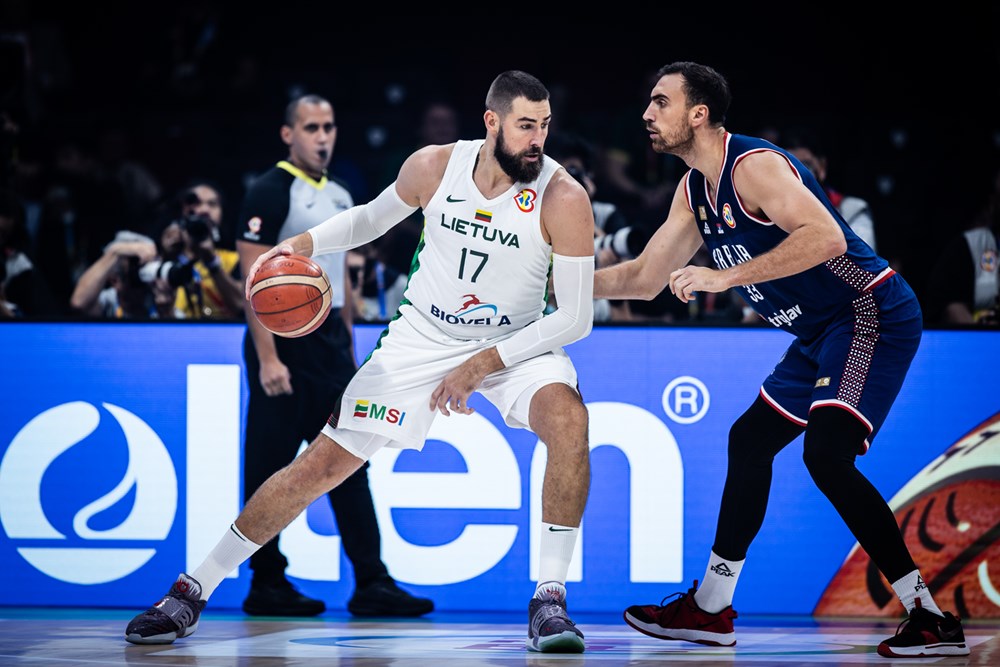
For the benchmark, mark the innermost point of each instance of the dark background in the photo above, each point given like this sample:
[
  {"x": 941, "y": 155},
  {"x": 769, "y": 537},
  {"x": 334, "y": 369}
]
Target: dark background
[{"x": 908, "y": 100}]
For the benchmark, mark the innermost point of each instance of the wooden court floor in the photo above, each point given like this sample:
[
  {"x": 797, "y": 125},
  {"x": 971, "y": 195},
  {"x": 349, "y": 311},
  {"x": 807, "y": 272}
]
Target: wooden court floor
[{"x": 95, "y": 637}]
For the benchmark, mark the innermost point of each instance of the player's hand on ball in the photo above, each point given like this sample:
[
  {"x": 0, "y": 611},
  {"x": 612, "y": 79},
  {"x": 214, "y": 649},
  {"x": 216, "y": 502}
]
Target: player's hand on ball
[
  {"x": 280, "y": 249},
  {"x": 290, "y": 296}
]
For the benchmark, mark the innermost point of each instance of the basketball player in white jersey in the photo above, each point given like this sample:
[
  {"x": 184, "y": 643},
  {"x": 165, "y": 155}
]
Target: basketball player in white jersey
[
  {"x": 292, "y": 382},
  {"x": 498, "y": 218}
]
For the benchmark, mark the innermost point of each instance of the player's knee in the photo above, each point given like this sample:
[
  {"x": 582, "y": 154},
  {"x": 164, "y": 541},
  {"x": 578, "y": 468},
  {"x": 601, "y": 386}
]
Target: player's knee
[
  {"x": 832, "y": 441},
  {"x": 751, "y": 443},
  {"x": 561, "y": 412},
  {"x": 580, "y": 427},
  {"x": 578, "y": 418},
  {"x": 756, "y": 437},
  {"x": 820, "y": 463},
  {"x": 567, "y": 432},
  {"x": 829, "y": 468},
  {"x": 572, "y": 425},
  {"x": 741, "y": 440}
]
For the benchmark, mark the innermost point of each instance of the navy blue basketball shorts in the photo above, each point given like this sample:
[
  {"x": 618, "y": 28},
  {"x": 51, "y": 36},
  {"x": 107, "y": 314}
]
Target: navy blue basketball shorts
[{"x": 858, "y": 364}]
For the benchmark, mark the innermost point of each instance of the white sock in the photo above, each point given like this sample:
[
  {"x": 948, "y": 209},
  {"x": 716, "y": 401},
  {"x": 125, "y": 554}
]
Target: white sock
[
  {"x": 228, "y": 554},
  {"x": 911, "y": 588},
  {"x": 719, "y": 585},
  {"x": 557, "y": 544}
]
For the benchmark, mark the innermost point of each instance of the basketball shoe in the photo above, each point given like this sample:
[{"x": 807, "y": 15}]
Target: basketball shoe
[
  {"x": 384, "y": 597},
  {"x": 549, "y": 627},
  {"x": 925, "y": 634},
  {"x": 173, "y": 617},
  {"x": 683, "y": 620}
]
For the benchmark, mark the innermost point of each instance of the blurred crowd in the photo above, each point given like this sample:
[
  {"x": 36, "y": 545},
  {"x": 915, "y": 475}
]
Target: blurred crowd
[{"x": 117, "y": 200}]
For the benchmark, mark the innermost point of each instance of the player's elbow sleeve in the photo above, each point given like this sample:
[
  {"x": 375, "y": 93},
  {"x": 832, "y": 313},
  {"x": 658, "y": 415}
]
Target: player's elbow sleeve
[
  {"x": 573, "y": 278},
  {"x": 361, "y": 224}
]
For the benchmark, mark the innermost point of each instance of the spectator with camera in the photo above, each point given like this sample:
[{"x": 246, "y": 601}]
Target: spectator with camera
[
  {"x": 181, "y": 275},
  {"x": 112, "y": 288},
  {"x": 206, "y": 275}
]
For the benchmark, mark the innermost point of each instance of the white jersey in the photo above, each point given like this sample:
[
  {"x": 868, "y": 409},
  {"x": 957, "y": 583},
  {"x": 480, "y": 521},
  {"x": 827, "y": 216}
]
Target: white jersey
[{"x": 482, "y": 267}]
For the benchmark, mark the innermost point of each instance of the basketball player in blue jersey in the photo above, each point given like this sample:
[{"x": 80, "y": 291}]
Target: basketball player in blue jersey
[
  {"x": 776, "y": 238},
  {"x": 500, "y": 218}
]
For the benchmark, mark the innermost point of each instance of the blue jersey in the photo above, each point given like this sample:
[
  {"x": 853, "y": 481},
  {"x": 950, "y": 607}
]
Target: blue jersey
[{"x": 805, "y": 303}]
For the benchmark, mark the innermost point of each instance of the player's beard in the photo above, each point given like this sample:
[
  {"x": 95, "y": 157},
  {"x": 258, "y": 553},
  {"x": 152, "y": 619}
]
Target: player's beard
[
  {"x": 678, "y": 143},
  {"x": 514, "y": 165}
]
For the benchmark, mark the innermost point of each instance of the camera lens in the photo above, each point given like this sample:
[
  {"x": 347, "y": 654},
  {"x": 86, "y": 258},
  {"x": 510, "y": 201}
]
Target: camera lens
[
  {"x": 177, "y": 273},
  {"x": 197, "y": 228}
]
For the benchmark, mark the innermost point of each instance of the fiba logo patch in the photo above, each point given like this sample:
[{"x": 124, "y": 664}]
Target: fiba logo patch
[
  {"x": 147, "y": 488},
  {"x": 525, "y": 200},
  {"x": 727, "y": 215}
]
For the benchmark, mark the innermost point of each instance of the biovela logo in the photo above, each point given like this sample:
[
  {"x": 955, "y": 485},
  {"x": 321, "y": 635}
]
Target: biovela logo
[{"x": 149, "y": 481}]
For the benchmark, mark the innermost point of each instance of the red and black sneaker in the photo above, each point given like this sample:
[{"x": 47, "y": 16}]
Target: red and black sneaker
[
  {"x": 683, "y": 620},
  {"x": 925, "y": 634}
]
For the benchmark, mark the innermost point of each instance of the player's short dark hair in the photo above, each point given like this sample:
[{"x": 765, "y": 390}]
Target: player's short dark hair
[
  {"x": 292, "y": 108},
  {"x": 702, "y": 85},
  {"x": 510, "y": 85}
]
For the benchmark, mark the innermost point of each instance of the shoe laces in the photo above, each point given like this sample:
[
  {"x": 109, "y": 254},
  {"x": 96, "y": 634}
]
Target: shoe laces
[
  {"x": 547, "y": 611},
  {"x": 550, "y": 605},
  {"x": 680, "y": 595},
  {"x": 918, "y": 616}
]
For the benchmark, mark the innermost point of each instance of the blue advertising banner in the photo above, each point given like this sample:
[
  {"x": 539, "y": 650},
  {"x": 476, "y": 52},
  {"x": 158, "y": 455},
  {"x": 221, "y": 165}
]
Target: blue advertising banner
[{"x": 120, "y": 464}]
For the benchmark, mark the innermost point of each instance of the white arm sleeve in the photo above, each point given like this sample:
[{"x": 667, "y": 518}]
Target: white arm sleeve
[
  {"x": 360, "y": 224},
  {"x": 573, "y": 280}
]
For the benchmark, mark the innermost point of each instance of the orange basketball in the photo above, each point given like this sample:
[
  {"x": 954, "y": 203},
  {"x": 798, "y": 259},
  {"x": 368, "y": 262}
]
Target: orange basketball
[{"x": 290, "y": 295}]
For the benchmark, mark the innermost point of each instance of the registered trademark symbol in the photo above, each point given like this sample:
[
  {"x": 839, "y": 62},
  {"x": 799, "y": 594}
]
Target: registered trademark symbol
[{"x": 686, "y": 399}]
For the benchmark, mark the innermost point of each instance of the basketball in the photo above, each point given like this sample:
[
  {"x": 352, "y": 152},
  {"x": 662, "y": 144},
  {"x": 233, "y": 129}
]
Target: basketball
[{"x": 290, "y": 295}]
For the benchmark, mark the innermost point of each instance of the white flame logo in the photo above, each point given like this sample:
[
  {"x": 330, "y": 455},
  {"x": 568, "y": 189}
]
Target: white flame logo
[{"x": 150, "y": 471}]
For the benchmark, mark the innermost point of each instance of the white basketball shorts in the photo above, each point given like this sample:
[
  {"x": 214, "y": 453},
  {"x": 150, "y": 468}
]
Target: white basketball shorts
[{"x": 387, "y": 402}]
